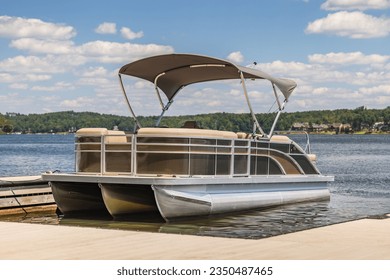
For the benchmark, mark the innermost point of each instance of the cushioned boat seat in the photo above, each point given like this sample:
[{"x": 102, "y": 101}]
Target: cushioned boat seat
[
  {"x": 186, "y": 132},
  {"x": 112, "y": 136}
]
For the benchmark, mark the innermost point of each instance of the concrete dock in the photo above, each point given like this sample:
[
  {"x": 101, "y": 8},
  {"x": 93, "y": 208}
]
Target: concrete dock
[{"x": 366, "y": 239}]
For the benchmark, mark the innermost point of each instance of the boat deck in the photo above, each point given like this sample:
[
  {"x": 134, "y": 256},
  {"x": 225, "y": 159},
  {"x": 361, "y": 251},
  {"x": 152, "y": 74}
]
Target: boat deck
[{"x": 365, "y": 239}]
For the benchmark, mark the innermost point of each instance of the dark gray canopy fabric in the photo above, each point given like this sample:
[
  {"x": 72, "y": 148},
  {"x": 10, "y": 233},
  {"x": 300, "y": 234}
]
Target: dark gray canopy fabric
[{"x": 178, "y": 70}]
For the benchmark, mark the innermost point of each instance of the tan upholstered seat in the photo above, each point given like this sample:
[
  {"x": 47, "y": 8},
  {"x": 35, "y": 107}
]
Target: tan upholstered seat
[
  {"x": 186, "y": 132},
  {"x": 280, "y": 138},
  {"x": 112, "y": 136},
  {"x": 91, "y": 131},
  {"x": 244, "y": 135}
]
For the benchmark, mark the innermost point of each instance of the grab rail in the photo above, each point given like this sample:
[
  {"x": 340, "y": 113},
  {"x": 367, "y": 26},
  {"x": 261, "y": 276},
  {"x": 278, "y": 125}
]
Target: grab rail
[
  {"x": 156, "y": 155},
  {"x": 307, "y": 148}
]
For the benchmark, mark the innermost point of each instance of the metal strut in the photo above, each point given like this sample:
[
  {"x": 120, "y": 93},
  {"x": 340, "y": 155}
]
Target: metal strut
[
  {"x": 128, "y": 102},
  {"x": 165, "y": 107},
  {"x": 280, "y": 109},
  {"x": 255, "y": 122}
]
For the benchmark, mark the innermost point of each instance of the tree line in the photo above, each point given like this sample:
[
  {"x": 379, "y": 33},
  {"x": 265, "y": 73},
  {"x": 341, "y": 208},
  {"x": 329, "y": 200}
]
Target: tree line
[{"x": 70, "y": 121}]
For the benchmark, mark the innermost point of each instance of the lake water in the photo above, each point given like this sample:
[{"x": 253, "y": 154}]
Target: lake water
[{"x": 360, "y": 164}]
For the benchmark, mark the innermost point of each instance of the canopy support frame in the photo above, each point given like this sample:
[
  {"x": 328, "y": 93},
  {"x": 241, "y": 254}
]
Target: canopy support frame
[
  {"x": 254, "y": 119},
  {"x": 171, "y": 86},
  {"x": 138, "y": 124},
  {"x": 157, "y": 91},
  {"x": 280, "y": 109},
  {"x": 164, "y": 107}
]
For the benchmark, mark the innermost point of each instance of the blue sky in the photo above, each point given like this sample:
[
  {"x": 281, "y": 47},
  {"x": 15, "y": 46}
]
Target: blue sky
[{"x": 65, "y": 55}]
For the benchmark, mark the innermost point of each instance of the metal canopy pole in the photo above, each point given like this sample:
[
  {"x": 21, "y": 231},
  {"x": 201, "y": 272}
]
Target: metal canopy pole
[
  {"x": 163, "y": 107},
  {"x": 249, "y": 105},
  {"x": 169, "y": 103},
  {"x": 276, "y": 96},
  {"x": 157, "y": 91},
  {"x": 277, "y": 118},
  {"x": 163, "y": 111},
  {"x": 281, "y": 108},
  {"x": 128, "y": 102}
]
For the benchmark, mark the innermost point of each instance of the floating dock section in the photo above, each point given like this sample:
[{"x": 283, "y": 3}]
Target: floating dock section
[{"x": 25, "y": 194}]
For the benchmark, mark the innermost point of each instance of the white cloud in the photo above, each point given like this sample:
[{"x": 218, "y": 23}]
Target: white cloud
[
  {"x": 336, "y": 5},
  {"x": 106, "y": 28},
  {"x": 17, "y": 27},
  {"x": 330, "y": 69},
  {"x": 127, "y": 33},
  {"x": 215, "y": 103},
  {"x": 57, "y": 87},
  {"x": 381, "y": 89},
  {"x": 18, "y": 86},
  {"x": 80, "y": 102},
  {"x": 113, "y": 52},
  {"x": 142, "y": 84},
  {"x": 320, "y": 90},
  {"x": 111, "y": 106},
  {"x": 236, "y": 57},
  {"x": 35, "y": 64},
  {"x": 9, "y": 100},
  {"x": 17, "y": 78},
  {"x": 7, "y": 78},
  {"x": 95, "y": 71},
  {"x": 102, "y": 51},
  {"x": 348, "y": 58},
  {"x": 285, "y": 69},
  {"x": 95, "y": 81},
  {"x": 355, "y": 25},
  {"x": 43, "y": 46},
  {"x": 34, "y": 78}
]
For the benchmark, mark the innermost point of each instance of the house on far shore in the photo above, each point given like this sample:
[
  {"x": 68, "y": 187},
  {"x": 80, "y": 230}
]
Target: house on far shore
[
  {"x": 298, "y": 126},
  {"x": 381, "y": 126},
  {"x": 11, "y": 114},
  {"x": 339, "y": 128},
  {"x": 318, "y": 128}
]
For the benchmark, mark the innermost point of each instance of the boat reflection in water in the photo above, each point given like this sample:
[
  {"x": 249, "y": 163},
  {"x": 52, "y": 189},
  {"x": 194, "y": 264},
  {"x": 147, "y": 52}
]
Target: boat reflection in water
[
  {"x": 253, "y": 224},
  {"x": 188, "y": 171}
]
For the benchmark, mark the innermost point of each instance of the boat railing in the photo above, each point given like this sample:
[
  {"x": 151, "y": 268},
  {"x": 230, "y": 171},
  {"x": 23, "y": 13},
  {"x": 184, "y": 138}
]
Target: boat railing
[
  {"x": 307, "y": 148},
  {"x": 161, "y": 155}
]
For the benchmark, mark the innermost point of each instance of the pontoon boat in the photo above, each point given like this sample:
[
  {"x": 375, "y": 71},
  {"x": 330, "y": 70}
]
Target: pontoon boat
[{"x": 188, "y": 171}]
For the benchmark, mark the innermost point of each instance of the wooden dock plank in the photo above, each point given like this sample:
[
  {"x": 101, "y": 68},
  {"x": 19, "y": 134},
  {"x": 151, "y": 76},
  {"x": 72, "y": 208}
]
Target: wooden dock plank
[
  {"x": 361, "y": 239},
  {"x": 22, "y": 193}
]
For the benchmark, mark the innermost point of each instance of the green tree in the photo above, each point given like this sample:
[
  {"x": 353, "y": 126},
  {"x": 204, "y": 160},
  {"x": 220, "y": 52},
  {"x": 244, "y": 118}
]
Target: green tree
[{"x": 7, "y": 128}]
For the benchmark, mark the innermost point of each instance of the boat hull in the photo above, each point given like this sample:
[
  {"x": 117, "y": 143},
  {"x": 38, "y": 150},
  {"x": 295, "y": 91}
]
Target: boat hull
[
  {"x": 128, "y": 199},
  {"x": 176, "y": 197},
  {"x": 176, "y": 202},
  {"x": 75, "y": 198}
]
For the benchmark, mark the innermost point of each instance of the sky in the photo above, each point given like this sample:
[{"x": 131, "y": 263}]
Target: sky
[{"x": 65, "y": 55}]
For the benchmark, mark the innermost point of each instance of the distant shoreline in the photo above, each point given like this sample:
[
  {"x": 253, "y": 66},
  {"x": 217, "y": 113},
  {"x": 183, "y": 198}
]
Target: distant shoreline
[{"x": 357, "y": 121}]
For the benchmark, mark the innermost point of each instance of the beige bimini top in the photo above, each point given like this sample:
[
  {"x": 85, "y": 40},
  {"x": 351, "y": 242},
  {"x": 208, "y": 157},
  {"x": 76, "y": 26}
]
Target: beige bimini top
[{"x": 174, "y": 71}]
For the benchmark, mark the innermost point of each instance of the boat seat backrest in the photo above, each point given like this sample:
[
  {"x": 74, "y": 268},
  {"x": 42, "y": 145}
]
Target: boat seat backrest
[
  {"x": 186, "y": 132},
  {"x": 244, "y": 135},
  {"x": 115, "y": 136},
  {"x": 280, "y": 138},
  {"x": 91, "y": 131},
  {"x": 112, "y": 136}
]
